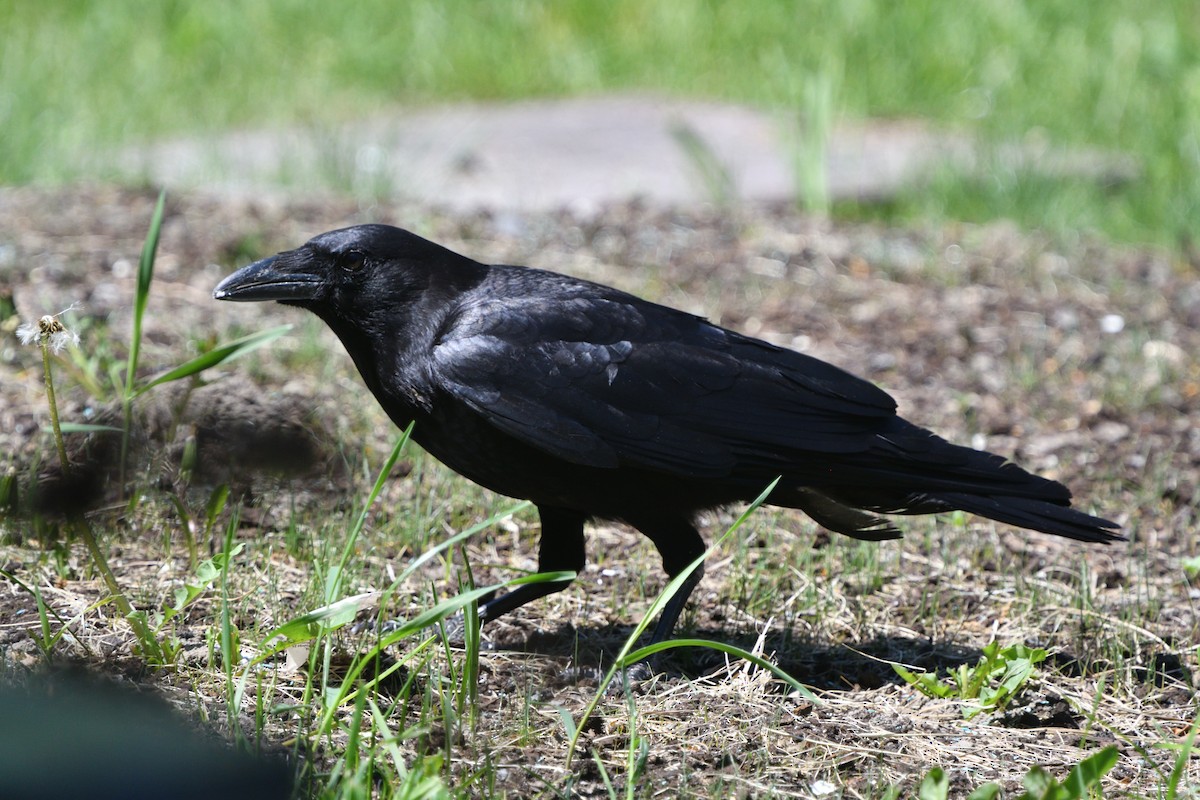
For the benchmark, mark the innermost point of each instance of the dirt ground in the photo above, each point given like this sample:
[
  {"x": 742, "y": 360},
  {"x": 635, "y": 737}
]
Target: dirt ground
[{"x": 1074, "y": 357}]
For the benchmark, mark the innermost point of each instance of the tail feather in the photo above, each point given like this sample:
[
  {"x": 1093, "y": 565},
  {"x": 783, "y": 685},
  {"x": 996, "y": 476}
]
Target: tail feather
[
  {"x": 840, "y": 518},
  {"x": 1036, "y": 515},
  {"x": 910, "y": 470}
]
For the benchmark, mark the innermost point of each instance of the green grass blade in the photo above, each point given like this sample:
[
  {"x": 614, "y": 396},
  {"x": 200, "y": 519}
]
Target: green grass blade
[
  {"x": 349, "y": 690},
  {"x": 144, "y": 276},
  {"x": 333, "y": 585},
  {"x": 467, "y": 533},
  {"x": 728, "y": 649},
  {"x": 44, "y": 611},
  {"x": 568, "y": 722},
  {"x": 141, "y": 298},
  {"x": 452, "y": 605},
  {"x": 218, "y": 355},
  {"x": 83, "y": 427},
  {"x": 655, "y": 609},
  {"x": 608, "y": 784},
  {"x": 307, "y": 626},
  {"x": 675, "y": 583},
  {"x": 1181, "y": 761},
  {"x": 1039, "y": 784}
]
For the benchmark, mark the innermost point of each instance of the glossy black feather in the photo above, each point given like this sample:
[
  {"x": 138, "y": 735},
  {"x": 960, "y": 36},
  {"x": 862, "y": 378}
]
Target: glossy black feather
[{"x": 592, "y": 402}]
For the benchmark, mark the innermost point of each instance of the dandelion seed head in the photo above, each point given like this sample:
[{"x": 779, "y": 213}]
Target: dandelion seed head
[
  {"x": 27, "y": 333},
  {"x": 50, "y": 328},
  {"x": 61, "y": 338}
]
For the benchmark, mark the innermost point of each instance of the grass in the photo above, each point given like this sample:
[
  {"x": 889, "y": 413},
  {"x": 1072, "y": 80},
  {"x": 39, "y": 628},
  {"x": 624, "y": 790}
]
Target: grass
[
  {"x": 1115, "y": 75},
  {"x": 260, "y": 647}
]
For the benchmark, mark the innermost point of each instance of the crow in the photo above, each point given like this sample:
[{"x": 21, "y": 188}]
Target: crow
[{"x": 594, "y": 403}]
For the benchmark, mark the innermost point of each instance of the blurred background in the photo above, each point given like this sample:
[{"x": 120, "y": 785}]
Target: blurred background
[{"x": 1057, "y": 114}]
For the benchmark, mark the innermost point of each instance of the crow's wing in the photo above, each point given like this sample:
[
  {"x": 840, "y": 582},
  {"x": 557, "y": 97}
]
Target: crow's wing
[{"x": 610, "y": 380}]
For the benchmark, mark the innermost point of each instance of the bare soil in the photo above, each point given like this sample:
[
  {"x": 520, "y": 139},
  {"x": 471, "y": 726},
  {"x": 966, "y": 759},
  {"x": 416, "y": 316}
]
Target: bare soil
[{"x": 1073, "y": 356}]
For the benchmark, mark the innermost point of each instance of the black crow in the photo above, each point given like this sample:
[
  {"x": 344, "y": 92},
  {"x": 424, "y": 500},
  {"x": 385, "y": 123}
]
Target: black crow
[{"x": 594, "y": 403}]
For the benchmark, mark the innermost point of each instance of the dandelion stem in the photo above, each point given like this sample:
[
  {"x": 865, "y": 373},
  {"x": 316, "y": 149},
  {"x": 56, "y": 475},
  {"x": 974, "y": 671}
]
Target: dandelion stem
[
  {"x": 80, "y": 524},
  {"x": 84, "y": 530},
  {"x": 44, "y": 343}
]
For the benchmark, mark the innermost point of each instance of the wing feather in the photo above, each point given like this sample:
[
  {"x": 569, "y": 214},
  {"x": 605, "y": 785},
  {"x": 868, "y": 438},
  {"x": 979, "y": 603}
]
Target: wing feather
[{"x": 613, "y": 380}]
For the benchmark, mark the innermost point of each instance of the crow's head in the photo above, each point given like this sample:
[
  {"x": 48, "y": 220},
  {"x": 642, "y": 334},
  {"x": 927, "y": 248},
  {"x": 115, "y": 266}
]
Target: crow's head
[{"x": 363, "y": 267}]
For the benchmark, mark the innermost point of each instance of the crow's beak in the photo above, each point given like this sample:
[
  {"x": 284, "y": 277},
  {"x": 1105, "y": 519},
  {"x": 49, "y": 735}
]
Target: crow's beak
[{"x": 279, "y": 277}]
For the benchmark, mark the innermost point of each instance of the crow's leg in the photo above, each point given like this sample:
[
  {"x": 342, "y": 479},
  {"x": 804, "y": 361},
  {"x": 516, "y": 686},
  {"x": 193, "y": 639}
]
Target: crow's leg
[
  {"x": 679, "y": 544},
  {"x": 561, "y": 549}
]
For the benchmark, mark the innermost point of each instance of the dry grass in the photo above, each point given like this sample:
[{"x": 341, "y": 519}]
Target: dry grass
[{"x": 986, "y": 334}]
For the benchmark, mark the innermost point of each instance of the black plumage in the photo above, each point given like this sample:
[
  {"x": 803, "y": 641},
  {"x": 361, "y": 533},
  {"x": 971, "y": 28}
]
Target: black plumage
[{"x": 594, "y": 403}]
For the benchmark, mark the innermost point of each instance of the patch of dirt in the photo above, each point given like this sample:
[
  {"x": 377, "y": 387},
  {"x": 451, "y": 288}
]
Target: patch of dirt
[
  {"x": 1072, "y": 356},
  {"x": 230, "y": 432}
]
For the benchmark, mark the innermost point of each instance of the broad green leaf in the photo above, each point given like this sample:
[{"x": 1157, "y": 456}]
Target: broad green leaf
[
  {"x": 1087, "y": 773},
  {"x": 989, "y": 791},
  {"x": 306, "y": 626},
  {"x": 926, "y": 682},
  {"x": 1039, "y": 785},
  {"x": 935, "y": 785}
]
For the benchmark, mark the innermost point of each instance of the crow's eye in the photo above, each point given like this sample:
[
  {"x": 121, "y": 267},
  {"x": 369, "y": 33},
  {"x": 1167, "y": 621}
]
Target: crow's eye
[{"x": 352, "y": 260}]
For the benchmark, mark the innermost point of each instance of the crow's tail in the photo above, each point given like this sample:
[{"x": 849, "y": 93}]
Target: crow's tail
[
  {"x": 909, "y": 470},
  {"x": 1037, "y": 515}
]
